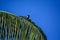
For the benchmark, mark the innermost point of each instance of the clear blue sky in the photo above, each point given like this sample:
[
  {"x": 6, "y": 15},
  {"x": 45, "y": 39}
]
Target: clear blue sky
[{"x": 45, "y": 14}]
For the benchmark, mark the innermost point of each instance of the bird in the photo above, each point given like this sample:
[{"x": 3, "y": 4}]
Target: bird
[{"x": 28, "y": 16}]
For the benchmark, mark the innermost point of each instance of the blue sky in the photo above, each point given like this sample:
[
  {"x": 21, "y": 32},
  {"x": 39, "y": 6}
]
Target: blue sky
[{"x": 45, "y": 14}]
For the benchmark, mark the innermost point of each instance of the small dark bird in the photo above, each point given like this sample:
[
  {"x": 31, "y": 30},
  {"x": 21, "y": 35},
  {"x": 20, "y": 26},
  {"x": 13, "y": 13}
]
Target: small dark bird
[{"x": 28, "y": 16}]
